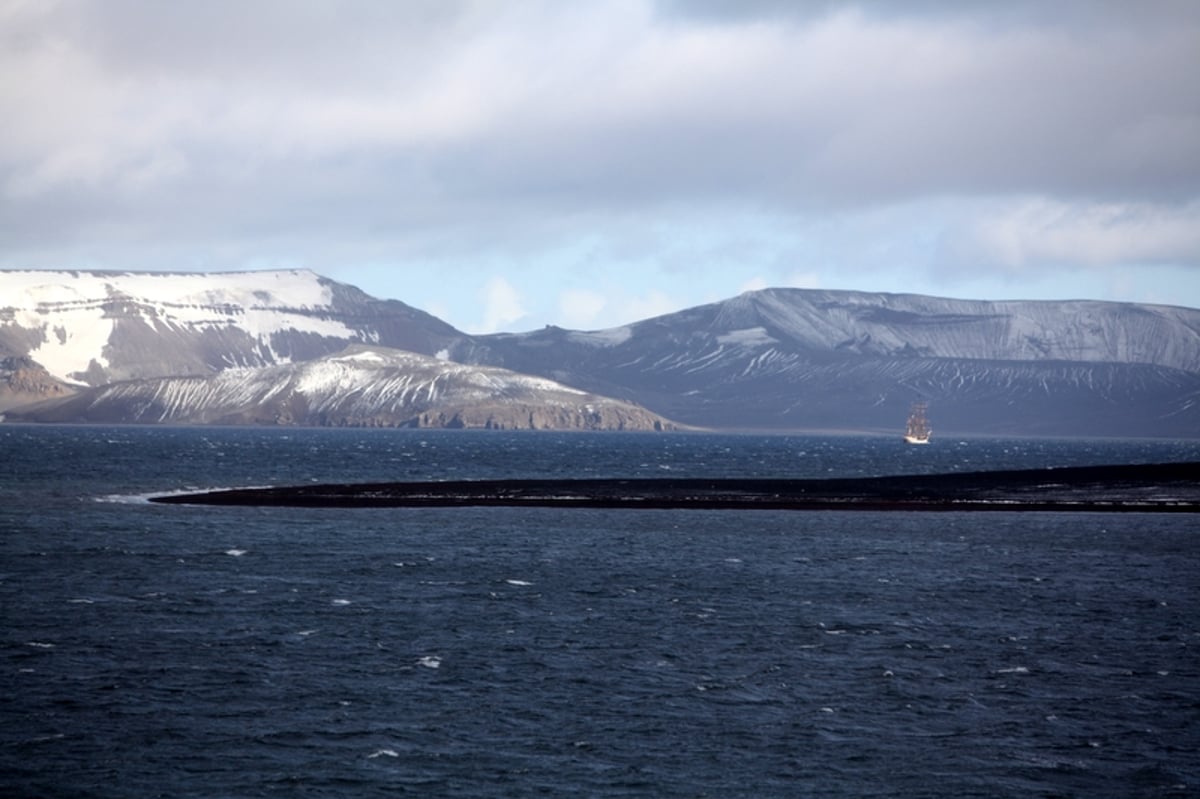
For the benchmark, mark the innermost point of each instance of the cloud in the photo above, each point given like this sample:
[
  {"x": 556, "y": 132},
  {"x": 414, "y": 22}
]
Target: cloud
[
  {"x": 594, "y": 105},
  {"x": 688, "y": 138},
  {"x": 651, "y": 304},
  {"x": 756, "y": 283},
  {"x": 850, "y": 110},
  {"x": 1040, "y": 233},
  {"x": 501, "y": 306},
  {"x": 803, "y": 280},
  {"x": 1076, "y": 13},
  {"x": 579, "y": 308},
  {"x": 794, "y": 279}
]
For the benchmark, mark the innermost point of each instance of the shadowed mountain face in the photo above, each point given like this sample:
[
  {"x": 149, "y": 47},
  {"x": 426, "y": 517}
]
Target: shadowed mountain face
[
  {"x": 800, "y": 359},
  {"x": 777, "y": 359}
]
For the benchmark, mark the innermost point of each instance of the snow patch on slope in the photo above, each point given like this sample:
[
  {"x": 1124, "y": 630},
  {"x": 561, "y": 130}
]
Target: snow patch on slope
[
  {"x": 396, "y": 379},
  {"x": 72, "y": 346},
  {"x": 602, "y": 338},
  {"x": 748, "y": 337},
  {"x": 890, "y": 324},
  {"x": 361, "y": 385},
  {"x": 296, "y": 288},
  {"x": 69, "y": 308}
]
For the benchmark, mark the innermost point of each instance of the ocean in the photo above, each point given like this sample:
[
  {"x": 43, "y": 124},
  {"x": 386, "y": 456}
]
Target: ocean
[{"x": 178, "y": 651}]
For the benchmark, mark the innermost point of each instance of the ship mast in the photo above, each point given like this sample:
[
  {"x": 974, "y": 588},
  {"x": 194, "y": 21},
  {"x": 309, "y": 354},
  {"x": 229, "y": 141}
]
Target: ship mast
[{"x": 917, "y": 431}]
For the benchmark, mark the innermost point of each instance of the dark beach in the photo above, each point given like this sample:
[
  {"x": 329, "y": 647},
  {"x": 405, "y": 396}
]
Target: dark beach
[{"x": 1166, "y": 487}]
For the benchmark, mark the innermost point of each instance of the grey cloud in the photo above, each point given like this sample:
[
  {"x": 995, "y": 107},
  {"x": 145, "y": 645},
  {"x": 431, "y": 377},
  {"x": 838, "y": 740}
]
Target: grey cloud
[
  {"x": 400, "y": 125},
  {"x": 911, "y": 114},
  {"x": 1038, "y": 234},
  {"x": 1011, "y": 13},
  {"x": 256, "y": 41}
]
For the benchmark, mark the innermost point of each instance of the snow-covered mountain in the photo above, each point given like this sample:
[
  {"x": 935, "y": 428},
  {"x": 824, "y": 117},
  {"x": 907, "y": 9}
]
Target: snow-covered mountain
[
  {"x": 363, "y": 386},
  {"x": 93, "y": 328},
  {"x": 807, "y": 359},
  {"x": 777, "y": 359}
]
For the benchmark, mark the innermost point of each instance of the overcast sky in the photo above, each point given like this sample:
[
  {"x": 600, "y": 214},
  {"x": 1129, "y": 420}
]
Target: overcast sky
[{"x": 506, "y": 165}]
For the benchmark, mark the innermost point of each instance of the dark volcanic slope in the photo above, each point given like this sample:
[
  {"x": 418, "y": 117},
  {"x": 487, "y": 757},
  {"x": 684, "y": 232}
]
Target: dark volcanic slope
[
  {"x": 800, "y": 359},
  {"x": 1154, "y": 487}
]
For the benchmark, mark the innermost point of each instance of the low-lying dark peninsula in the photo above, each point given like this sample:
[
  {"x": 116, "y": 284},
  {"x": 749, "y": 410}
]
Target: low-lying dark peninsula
[{"x": 1167, "y": 487}]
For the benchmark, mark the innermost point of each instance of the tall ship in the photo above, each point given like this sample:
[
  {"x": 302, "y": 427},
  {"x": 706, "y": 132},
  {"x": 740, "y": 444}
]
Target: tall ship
[{"x": 917, "y": 431}]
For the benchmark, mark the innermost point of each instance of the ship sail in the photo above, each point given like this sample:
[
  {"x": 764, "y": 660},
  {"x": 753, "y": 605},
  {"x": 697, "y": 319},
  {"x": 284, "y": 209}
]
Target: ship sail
[{"x": 917, "y": 431}]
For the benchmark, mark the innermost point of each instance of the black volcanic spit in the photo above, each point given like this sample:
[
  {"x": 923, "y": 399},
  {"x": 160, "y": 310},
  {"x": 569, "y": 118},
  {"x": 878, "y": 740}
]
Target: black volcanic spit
[{"x": 1172, "y": 487}]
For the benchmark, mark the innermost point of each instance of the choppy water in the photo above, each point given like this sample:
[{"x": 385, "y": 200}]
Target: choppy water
[{"x": 152, "y": 650}]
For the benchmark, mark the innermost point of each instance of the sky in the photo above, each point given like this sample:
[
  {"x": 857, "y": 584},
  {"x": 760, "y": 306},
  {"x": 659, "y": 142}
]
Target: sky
[{"x": 509, "y": 164}]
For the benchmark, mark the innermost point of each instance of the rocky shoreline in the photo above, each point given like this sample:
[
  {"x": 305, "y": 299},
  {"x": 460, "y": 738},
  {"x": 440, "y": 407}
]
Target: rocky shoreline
[{"x": 1170, "y": 487}]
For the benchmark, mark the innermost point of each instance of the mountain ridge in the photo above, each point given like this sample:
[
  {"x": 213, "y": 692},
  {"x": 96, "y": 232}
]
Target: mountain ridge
[
  {"x": 795, "y": 359},
  {"x": 770, "y": 360},
  {"x": 919, "y": 325}
]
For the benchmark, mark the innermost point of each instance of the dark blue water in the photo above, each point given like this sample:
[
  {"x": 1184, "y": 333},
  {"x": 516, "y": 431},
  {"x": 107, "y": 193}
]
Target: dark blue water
[{"x": 173, "y": 651}]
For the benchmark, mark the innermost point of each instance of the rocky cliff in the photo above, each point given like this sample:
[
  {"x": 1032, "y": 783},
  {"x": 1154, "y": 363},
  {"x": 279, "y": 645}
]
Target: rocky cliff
[{"x": 23, "y": 382}]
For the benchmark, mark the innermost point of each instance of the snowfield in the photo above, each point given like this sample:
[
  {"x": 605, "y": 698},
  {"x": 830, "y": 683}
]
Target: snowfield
[{"x": 73, "y": 312}]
